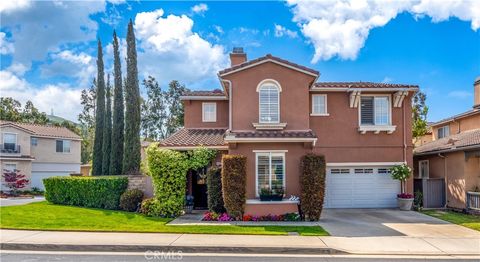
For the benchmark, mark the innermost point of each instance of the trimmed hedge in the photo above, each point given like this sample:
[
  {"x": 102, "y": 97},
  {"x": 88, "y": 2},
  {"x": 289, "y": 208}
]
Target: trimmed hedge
[
  {"x": 312, "y": 184},
  {"x": 234, "y": 176},
  {"x": 214, "y": 190},
  {"x": 99, "y": 192}
]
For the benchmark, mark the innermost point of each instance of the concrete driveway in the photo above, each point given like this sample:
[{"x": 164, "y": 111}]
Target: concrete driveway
[
  {"x": 19, "y": 201},
  {"x": 389, "y": 222}
]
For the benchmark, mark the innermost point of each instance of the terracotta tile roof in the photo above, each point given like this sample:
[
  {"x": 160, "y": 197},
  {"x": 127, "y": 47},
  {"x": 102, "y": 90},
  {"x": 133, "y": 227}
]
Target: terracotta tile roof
[
  {"x": 216, "y": 92},
  {"x": 274, "y": 134},
  {"x": 457, "y": 141},
  {"x": 43, "y": 130},
  {"x": 268, "y": 56},
  {"x": 361, "y": 85},
  {"x": 195, "y": 137}
]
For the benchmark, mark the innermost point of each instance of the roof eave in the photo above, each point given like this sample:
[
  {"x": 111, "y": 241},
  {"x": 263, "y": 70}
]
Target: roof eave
[{"x": 448, "y": 150}]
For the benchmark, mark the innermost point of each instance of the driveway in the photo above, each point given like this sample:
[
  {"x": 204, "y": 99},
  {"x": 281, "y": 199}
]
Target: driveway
[
  {"x": 389, "y": 222},
  {"x": 16, "y": 202}
]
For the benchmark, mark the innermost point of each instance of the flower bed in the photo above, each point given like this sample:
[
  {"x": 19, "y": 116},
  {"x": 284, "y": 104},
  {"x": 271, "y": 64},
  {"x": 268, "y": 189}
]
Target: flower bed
[{"x": 212, "y": 216}]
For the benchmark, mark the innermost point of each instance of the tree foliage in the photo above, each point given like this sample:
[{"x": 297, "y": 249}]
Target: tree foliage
[
  {"x": 234, "y": 184},
  {"x": 11, "y": 110},
  {"x": 99, "y": 115},
  {"x": 419, "y": 115},
  {"x": 175, "y": 115},
  {"x": 131, "y": 161},
  {"x": 116, "y": 162},
  {"x": 214, "y": 190},
  {"x": 107, "y": 131},
  {"x": 86, "y": 121},
  {"x": 312, "y": 185}
]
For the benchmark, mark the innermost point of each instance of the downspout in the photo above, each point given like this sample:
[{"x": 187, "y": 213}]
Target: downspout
[
  {"x": 404, "y": 134},
  {"x": 230, "y": 86},
  {"x": 446, "y": 176}
]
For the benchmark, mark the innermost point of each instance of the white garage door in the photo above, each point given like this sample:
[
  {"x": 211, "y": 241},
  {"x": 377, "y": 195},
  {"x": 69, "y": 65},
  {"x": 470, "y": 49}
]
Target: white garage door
[
  {"x": 38, "y": 176},
  {"x": 360, "y": 187}
]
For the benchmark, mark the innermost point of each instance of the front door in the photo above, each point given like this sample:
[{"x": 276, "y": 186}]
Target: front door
[{"x": 199, "y": 188}]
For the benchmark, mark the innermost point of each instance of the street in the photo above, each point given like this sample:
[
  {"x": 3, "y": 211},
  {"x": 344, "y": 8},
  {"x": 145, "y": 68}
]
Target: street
[{"x": 8, "y": 256}]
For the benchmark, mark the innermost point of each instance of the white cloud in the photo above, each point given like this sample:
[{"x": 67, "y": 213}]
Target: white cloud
[
  {"x": 219, "y": 29},
  {"x": 200, "y": 8},
  {"x": 460, "y": 94},
  {"x": 35, "y": 31},
  {"x": 340, "y": 28},
  {"x": 282, "y": 31},
  {"x": 7, "y": 6},
  {"x": 63, "y": 99},
  {"x": 387, "y": 80},
  {"x": 6, "y": 47},
  {"x": 67, "y": 63},
  {"x": 18, "y": 69},
  {"x": 169, "y": 49}
]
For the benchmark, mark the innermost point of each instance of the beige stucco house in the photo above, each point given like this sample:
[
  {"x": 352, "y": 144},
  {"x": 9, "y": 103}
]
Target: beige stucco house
[{"x": 39, "y": 151}]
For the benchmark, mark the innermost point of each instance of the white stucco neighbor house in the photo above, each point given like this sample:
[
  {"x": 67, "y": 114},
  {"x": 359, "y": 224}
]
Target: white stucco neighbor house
[{"x": 38, "y": 151}]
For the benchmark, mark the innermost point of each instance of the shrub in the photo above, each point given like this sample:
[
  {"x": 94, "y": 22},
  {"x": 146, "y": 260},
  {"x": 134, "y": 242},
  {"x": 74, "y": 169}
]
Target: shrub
[
  {"x": 14, "y": 180},
  {"x": 402, "y": 173},
  {"x": 150, "y": 207},
  {"x": 131, "y": 199},
  {"x": 234, "y": 184},
  {"x": 168, "y": 169},
  {"x": 99, "y": 192},
  {"x": 214, "y": 189},
  {"x": 312, "y": 184}
]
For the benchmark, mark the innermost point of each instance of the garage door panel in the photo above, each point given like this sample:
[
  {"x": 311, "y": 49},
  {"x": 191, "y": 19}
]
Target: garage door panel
[
  {"x": 37, "y": 178},
  {"x": 370, "y": 190}
]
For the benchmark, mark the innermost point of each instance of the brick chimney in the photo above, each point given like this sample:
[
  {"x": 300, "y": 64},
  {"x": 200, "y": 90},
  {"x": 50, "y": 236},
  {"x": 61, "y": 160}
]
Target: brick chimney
[
  {"x": 476, "y": 93},
  {"x": 237, "y": 56}
]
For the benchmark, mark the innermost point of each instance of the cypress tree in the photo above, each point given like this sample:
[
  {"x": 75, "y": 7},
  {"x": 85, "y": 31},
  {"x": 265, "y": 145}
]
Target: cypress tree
[
  {"x": 99, "y": 115},
  {"x": 131, "y": 157},
  {"x": 116, "y": 162},
  {"x": 107, "y": 131}
]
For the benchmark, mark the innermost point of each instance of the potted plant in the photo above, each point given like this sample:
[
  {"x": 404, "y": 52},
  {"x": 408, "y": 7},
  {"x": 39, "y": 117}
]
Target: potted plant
[
  {"x": 188, "y": 204},
  {"x": 265, "y": 194},
  {"x": 402, "y": 173},
  {"x": 277, "y": 194}
]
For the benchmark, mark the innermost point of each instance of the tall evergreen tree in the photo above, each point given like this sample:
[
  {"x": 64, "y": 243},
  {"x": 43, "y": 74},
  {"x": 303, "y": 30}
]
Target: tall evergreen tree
[
  {"x": 116, "y": 162},
  {"x": 99, "y": 115},
  {"x": 107, "y": 131},
  {"x": 131, "y": 162}
]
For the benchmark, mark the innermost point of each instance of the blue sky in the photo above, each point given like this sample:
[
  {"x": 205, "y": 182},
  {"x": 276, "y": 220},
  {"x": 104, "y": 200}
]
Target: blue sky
[{"x": 48, "y": 49}]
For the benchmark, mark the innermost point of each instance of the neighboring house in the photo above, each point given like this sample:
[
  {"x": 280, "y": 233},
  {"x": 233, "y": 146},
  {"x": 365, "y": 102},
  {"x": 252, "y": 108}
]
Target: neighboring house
[
  {"x": 454, "y": 154},
  {"x": 39, "y": 151},
  {"x": 427, "y": 138},
  {"x": 274, "y": 112}
]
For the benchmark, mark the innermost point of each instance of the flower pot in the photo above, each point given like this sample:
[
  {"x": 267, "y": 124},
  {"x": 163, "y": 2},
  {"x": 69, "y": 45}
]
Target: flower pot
[
  {"x": 405, "y": 204},
  {"x": 265, "y": 197},
  {"x": 276, "y": 197}
]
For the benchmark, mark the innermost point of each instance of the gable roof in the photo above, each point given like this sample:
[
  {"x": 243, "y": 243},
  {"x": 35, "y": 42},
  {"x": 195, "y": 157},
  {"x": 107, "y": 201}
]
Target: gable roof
[
  {"x": 265, "y": 59},
  {"x": 461, "y": 115},
  {"x": 43, "y": 130},
  {"x": 215, "y": 94},
  {"x": 361, "y": 85},
  {"x": 193, "y": 137},
  {"x": 457, "y": 142}
]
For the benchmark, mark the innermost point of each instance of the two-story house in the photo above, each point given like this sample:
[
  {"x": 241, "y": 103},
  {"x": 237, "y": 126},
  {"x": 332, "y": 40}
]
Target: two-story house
[
  {"x": 453, "y": 155},
  {"x": 274, "y": 111},
  {"x": 38, "y": 151}
]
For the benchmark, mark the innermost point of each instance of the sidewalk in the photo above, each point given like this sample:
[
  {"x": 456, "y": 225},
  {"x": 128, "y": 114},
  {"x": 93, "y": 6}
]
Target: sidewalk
[{"x": 96, "y": 241}]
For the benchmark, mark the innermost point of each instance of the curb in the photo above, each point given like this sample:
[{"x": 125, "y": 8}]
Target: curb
[{"x": 184, "y": 249}]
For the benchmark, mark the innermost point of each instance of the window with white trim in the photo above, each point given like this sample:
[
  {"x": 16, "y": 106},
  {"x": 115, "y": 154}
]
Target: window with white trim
[
  {"x": 209, "y": 112},
  {"x": 9, "y": 141},
  {"x": 270, "y": 171},
  {"x": 63, "y": 146},
  {"x": 423, "y": 169},
  {"x": 319, "y": 105},
  {"x": 375, "y": 110},
  {"x": 34, "y": 141},
  {"x": 269, "y": 103},
  {"x": 443, "y": 131}
]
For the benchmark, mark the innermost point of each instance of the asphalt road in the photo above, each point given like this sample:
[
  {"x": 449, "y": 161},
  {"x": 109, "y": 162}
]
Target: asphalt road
[{"x": 7, "y": 256}]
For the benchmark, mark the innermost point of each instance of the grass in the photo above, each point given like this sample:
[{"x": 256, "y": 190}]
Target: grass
[
  {"x": 470, "y": 221},
  {"x": 46, "y": 216}
]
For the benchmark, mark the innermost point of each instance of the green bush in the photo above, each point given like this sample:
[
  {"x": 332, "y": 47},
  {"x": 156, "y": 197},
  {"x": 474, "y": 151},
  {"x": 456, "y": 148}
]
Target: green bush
[
  {"x": 150, "y": 207},
  {"x": 130, "y": 200},
  {"x": 234, "y": 177},
  {"x": 214, "y": 189},
  {"x": 312, "y": 184},
  {"x": 100, "y": 192}
]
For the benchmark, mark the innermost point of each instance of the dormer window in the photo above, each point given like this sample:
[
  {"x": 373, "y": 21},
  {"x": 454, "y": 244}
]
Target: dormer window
[{"x": 269, "y": 103}]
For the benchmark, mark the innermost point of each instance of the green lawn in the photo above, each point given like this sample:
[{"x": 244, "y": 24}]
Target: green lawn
[
  {"x": 465, "y": 220},
  {"x": 46, "y": 216}
]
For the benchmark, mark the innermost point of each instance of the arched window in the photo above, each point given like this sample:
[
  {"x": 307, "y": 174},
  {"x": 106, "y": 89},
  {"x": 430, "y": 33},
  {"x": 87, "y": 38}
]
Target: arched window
[{"x": 269, "y": 102}]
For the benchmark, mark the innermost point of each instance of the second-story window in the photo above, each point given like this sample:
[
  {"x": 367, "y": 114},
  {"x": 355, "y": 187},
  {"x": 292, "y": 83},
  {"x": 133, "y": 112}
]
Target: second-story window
[
  {"x": 319, "y": 105},
  {"x": 209, "y": 112},
  {"x": 34, "y": 141},
  {"x": 63, "y": 146},
  {"x": 443, "y": 131},
  {"x": 9, "y": 141},
  {"x": 269, "y": 103},
  {"x": 375, "y": 110}
]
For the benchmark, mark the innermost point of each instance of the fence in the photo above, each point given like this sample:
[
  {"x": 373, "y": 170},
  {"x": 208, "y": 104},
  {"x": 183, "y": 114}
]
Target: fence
[
  {"x": 433, "y": 190},
  {"x": 473, "y": 201}
]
